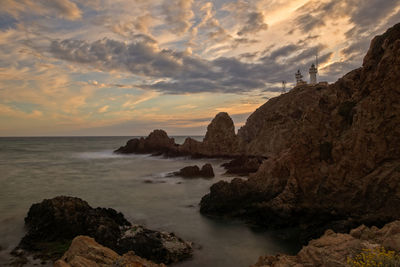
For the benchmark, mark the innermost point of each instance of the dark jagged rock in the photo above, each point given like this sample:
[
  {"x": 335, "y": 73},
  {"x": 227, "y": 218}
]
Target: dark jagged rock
[
  {"x": 333, "y": 152},
  {"x": 194, "y": 171},
  {"x": 53, "y": 223},
  {"x": 157, "y": 142},
  {"x": 243, "y": 165},
  {"x": 220, "y": 141}
]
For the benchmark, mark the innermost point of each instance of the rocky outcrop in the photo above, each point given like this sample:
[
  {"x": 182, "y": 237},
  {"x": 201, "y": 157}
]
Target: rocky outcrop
[
  {"x": 243, "y": 165},
  {"x": 334, "y": 249},
  {"x": 53, "y": 223},
  {"x": 333, "y": 152},
  {"x": 194, "y": 171},
  {"x": 85, "y": 251},
  {"x": 156, "y": 143},
  {"x": 220, "y": 141}
]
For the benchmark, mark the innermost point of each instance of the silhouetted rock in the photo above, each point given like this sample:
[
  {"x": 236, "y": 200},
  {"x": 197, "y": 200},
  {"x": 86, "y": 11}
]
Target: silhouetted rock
[
  {"x": 157, "y": 142},
  {"x": 53, "y": 223},
  {"x": 194, "y": 171},
  {"x": 220, "y": 141},
  {"x": 243, "y": 165},
  {"x": 333, "y": 152}
]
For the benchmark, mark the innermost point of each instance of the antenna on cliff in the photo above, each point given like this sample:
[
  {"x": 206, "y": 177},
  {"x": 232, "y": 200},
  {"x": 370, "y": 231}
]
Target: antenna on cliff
[{"x": 283, "y": 86}]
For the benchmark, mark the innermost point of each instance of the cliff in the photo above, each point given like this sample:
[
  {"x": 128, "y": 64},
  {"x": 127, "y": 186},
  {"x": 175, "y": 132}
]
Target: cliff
[{"x": 333, "y": 152}]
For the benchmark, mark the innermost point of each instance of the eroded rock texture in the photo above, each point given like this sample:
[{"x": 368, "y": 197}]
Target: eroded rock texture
[
  {"x": 333, "y": 152},
  {"x": 333, "y": 249},
  {"x": 53, "y": 223}
]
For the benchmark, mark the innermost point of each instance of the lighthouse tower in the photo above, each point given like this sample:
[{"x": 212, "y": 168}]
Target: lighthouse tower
[
  {"x": 313, "y": 74},
  {"x": 299, "y": 78}
]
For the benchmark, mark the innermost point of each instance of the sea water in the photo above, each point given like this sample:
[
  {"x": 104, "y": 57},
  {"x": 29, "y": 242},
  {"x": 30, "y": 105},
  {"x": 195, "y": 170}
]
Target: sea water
[{"x": 35, "y": 168}]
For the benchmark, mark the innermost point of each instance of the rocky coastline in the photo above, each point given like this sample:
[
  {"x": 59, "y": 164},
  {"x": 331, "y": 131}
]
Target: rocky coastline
[
  {"x": 328, "y": 155},
  {"x": 54, "y": 223}
]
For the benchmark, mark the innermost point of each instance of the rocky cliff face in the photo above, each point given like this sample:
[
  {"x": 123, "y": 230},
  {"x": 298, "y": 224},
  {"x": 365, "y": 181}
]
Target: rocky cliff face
[
  {"x": 333, "y": 152},
  {"x": 334, "y": 249}
]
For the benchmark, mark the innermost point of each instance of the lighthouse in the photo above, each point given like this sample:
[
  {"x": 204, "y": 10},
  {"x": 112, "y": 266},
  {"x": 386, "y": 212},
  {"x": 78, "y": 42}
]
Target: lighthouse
[
  {"x": 299, "y": 78},
  {"x": 313, "y": 74}
]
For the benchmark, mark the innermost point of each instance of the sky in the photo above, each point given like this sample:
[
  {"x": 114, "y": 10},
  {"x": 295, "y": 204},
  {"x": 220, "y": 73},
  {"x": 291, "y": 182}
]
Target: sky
[{"x": 126, "y": 67}]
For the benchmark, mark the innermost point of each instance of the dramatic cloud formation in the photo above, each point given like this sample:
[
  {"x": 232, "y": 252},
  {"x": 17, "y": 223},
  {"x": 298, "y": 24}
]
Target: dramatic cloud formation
[{"x": 124, "y": 67}]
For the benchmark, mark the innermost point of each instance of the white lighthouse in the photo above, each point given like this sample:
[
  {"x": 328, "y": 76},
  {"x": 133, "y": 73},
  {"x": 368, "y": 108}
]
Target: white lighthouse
[{"x": 313, "y": 74}]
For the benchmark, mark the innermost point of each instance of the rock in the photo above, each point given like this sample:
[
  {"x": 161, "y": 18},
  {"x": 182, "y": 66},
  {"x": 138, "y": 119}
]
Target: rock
[
  {"x": 220, "y": 141},
  {"x": 243, "y": 165},
  {"x": 207, "y": 171},
  {"x": 156, "y": 143},
  {"x": 333, "y": 152},
  {"x": 53, "y": 223},
  {"x": 333, "y": 249},
  {"x": 85, "y": 251},
  {"x": 155, "y": 246},
  {"x": 194, "y": 171}
]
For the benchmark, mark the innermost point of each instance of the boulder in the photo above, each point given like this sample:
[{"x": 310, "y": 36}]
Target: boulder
[
  {"x": 243, "y": 165},
  {"x": 194, "y": 171},
  {"x": 157, "y": 143},
  {"x": 53, "y": 223},
  {"x": 85, "y": 251},
  {"x": 207, "y": 171}
]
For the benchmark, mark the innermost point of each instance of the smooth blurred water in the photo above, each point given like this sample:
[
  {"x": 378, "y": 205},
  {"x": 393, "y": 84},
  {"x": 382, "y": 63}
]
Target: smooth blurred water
[{"x": 32, "y": 169}]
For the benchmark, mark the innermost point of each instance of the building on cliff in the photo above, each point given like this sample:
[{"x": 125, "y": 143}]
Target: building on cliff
[{"x": 313, "y": 74}]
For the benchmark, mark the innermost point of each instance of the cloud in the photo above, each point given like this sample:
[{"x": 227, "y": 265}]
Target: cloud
[
  {"x": 255, "y": 23},
  {"x": 178, "y": 15},
  {"x": 103, "y": 109},
  {"x": 63, "y": 8}
]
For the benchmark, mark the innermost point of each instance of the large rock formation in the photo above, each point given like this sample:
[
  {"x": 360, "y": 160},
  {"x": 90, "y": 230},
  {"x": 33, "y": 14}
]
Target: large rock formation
[
  {"x": 53, "y": 223},
  {"x": 85, "y": 251},
  {"x": 220, "y": 141},
  {"x": 333, "y": 152},
  {"x": 157, "y": 142},
  {"x": 334, "y": 249}
]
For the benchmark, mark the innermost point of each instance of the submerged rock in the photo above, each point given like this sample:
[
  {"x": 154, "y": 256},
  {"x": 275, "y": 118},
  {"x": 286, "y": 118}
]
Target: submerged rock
[
  {"x": 194, "y": 171},
  {"x": 53, "y": 223},
  {"x": 85, "y": 251}
]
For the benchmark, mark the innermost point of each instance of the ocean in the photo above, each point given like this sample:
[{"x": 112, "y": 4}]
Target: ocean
[{"x": 35, "y": 168}]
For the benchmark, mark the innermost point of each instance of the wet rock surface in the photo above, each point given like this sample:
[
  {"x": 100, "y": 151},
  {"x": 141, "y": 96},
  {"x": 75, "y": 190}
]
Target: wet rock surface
[
  {"x": 53, "y": 223},
  {"x": 195, "y": 172}
]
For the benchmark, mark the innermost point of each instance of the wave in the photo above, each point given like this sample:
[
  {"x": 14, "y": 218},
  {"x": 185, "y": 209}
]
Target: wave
[{"x": 107, "y": 154}]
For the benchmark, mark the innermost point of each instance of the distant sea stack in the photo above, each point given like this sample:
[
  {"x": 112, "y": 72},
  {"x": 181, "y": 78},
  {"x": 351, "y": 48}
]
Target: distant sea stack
[
  {"x": 333, "y": 152},
  {"x": 220, "y": 141}
]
